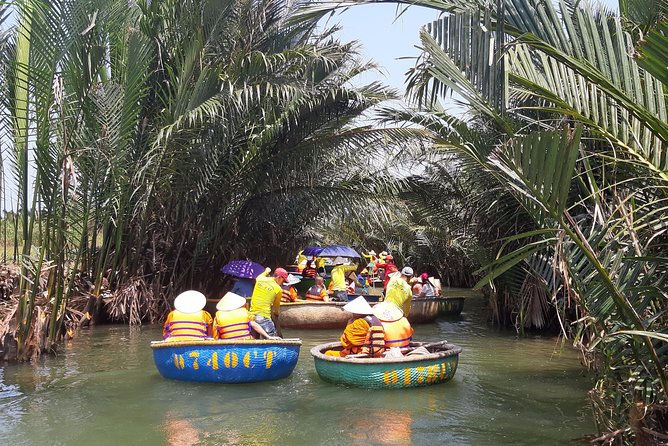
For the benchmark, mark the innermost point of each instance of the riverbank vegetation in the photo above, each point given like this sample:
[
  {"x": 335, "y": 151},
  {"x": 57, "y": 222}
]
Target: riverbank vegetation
[{"x": 151, "y": 144}]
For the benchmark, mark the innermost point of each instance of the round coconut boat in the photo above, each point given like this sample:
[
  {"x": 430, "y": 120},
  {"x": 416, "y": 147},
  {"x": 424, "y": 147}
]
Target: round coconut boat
[
  {"x": 450, "y": 306},
  {"x": 438, "y": 366},
  {"x": 226, "y": 361},
  {"x": 313, "y": 314},
  {"x": 423, "y": 311}
]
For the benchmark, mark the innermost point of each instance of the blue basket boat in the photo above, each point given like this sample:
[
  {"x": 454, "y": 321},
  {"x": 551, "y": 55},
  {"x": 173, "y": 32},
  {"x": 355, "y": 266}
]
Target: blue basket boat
[
  {"x": 436, "y": 367},
  {"x": 226, "y": 361}
]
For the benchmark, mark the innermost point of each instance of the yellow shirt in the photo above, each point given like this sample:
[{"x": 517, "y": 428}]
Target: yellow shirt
[
  {"x": 339, "y": 276},
  {"x": 399, "y": 293},
  {"x": 266, "y": 295}
]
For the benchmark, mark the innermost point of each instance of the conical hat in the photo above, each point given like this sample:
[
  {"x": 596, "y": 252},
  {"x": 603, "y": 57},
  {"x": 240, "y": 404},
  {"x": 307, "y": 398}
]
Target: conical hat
[
  {"x": 359, "y": 305},
  {"x": 230, "y": 301},
  {"x": 292, "y": 280},
  {"x": 190, "y": 301},
  {"x": 387, "y": 312}
]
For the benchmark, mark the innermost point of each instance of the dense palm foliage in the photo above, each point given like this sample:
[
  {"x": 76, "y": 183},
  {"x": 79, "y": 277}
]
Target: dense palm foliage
[
  {"x": 154, "y": 142},
  {"x": 565, "y": 160}
]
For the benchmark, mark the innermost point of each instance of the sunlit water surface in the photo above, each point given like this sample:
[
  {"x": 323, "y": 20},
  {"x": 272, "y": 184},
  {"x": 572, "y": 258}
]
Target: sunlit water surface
[{"x": 103, "y": 389}]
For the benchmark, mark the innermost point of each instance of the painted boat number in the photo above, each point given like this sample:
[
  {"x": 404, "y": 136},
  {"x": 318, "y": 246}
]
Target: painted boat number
[{"x": 229, "y": 361}]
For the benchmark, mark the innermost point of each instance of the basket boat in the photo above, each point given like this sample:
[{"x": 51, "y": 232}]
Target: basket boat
[
  {"x": 451, "y": 306},
  {"x": 389, "y": 373},
  {"x": 320, "y": 315},
  {"x": 312, "y": 314},
  {"x": 226, "y": 361}
]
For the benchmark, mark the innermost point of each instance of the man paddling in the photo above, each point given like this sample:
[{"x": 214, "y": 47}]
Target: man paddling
[
  {"x": 266, "y": 299},
  {"x": 399, "y": 291}
]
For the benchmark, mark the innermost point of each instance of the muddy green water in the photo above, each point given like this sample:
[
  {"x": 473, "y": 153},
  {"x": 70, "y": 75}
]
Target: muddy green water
[{"x": 103, "y": 389}]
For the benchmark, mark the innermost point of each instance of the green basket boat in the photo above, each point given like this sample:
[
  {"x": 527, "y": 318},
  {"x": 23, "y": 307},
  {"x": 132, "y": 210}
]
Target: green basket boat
[
  {"x": 436, "y": 367},
  {"x": 450, "y": 306}
]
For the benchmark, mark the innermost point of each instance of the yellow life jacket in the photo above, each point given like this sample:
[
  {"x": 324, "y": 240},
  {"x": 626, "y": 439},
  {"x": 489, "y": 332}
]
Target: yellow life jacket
[
  {"x": 233, "y": 324},
  {"x": 187, "y": 326},
  {"x": 398, "y": 333}
]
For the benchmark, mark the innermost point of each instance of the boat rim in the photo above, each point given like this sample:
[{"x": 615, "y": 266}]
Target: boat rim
[
  {"x": 225, "y": 342},
  {"x": 450, "y": 350}
]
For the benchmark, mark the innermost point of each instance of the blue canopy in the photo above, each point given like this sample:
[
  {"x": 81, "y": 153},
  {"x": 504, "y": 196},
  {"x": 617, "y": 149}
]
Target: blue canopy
[
  {"x": 244, "y": 269},
  {"x": 312, "y": 251},
  {"x": 338, "y": 251}
]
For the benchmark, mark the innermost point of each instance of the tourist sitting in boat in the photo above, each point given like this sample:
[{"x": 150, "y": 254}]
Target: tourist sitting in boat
[
  {"x": 266, "y": 298},
  {"x": 339, "y": 292},
  {"x": 289, "y": 292},
  {"x": 364, "y": 332},
  {"x": 309, "y": 271},
  {"x": 233, "y": 321},
  {"x": 397, "y": 329},
  {"x": 428, "y": 289},
  {"x": 389, "y": 267},
  {"x": 318, "y": 291},
  {"x": 417, "y": 284},
  {"x": 188, "y": 321},
  {"x": 399, "y": 291}
]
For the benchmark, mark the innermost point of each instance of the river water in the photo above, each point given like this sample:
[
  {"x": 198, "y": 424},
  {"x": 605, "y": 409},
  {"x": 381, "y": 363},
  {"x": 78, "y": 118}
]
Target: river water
[{"x": 103, "y": 389}]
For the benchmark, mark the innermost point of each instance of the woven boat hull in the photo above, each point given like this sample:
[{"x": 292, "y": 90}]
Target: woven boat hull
[
  {"x": 310, "y": 315},
  {"x": 451, "y": 306},
  {"x": 382, "y": 373},
  {"x": 223, "y": 361},
  {"x": 423, "y": 311}
]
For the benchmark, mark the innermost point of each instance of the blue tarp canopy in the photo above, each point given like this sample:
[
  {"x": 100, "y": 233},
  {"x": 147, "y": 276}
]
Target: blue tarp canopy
[
  {"x": 244, "y": 269},
  {"x": 338, "y": 251},
  {"x": 312, "y": 251}
]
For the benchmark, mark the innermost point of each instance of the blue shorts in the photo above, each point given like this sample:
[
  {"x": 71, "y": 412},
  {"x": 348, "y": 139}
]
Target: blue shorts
[{"x": 266, "y": 324}]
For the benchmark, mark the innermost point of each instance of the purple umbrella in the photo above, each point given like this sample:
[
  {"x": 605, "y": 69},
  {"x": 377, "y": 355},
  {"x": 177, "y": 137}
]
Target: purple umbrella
[
  {"x": 244, "y": 269},
  {"x": 312, "y": 251},
  {"x": 338, "y": 251}
]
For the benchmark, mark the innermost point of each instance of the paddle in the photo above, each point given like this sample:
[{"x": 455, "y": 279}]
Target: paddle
[{"x": 403, "y": 350}]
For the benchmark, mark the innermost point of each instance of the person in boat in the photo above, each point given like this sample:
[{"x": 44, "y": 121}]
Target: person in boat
[
  {"x": 243, "y": 287},
  {"x": 234, "y": 321},
  {"x": 188, "y": 321},
  {"x": 318, "y": 291},
  {"x": 339, "y": 291},
  {"x": 428, "y": 288},
  {"x": 417, "y": 284},
  {"x": 309, "y": 271},
  {"x": 389, "y": 267},
  {"x": 364, "y": 332},
  {"x": 266, "y": 298},
  {"x": 289, "y": 291},
  {"x": 300, "y": 261},
  {"x": 399, "y": 291},
  {"x": 396, "y": 328}
]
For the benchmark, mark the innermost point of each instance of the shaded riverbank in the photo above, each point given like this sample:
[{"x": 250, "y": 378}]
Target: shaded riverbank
[{"x": 103, "y": 388}]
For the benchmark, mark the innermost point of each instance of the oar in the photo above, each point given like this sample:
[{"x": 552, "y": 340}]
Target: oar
[
  {"x": 403, "y": 350},
  {"x": 427, "y": 346}
]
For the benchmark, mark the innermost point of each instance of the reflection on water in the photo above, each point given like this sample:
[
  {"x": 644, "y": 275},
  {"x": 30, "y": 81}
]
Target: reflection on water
[{"x": 104, "y": 389}]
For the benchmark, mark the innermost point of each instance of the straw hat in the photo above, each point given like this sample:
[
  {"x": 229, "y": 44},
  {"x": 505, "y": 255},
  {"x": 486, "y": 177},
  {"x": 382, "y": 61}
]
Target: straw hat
[
  {"x": 190, "y": 301},
  {"x": 291, "y": 280},
  {"x": 230, "y": 301},
  {"x": 387, "y": 312},
  {"x": 338, "y": 261},
  {"x": 359, "y": 305}
]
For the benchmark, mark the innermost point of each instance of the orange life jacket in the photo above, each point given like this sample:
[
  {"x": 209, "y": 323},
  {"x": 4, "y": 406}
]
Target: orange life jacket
[
  {"x": 233, "y": 324},
  {"x": 187, "y": 325},
  {"x": 398, "y": 333},
  {"x": 374, "y": 345}
]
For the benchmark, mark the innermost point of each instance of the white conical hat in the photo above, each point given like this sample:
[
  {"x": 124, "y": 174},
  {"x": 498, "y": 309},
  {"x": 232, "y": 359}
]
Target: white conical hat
[
  {"x": 190, "y": 301},
  {"x": 292, "y": 280},
  {"x": 359, "y": 305},
  {"x": 387, "y": 312},
  {"x": 230, "y": 301}
]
